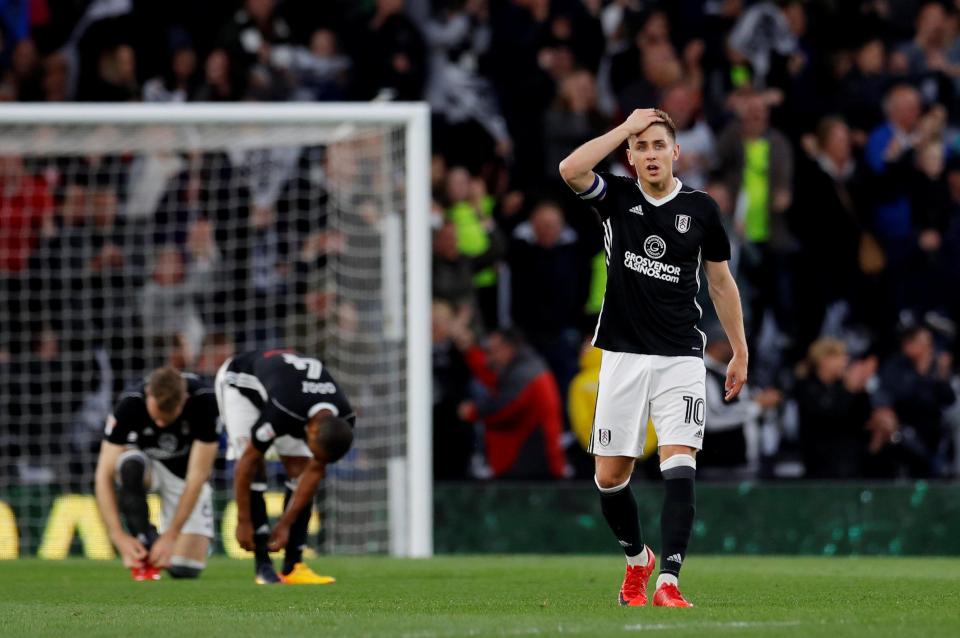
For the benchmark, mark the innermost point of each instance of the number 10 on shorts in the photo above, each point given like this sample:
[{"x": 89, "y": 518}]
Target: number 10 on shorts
[{"x": 694, "y": 410}]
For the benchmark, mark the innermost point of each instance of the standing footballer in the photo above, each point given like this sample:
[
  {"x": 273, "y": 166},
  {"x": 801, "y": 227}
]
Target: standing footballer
[
  {"x": 657, "y": 234},
  {"x": 288, "y": 401}
]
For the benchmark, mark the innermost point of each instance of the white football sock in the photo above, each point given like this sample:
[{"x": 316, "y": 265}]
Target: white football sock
[
  {"x": 639, "y": 560},
  {"x": 666, "y": 578}
]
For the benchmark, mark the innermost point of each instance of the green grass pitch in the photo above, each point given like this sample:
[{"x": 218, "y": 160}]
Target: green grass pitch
[{"x": 488, "y": 596}]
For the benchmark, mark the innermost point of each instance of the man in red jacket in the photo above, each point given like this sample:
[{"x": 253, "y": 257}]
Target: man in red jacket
[{"x": 523, "y": 413}]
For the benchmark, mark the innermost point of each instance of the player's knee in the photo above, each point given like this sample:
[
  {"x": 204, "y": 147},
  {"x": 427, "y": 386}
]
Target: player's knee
[
  {"x": 182, "y": 567},
  {"x": 679, "y": 466},
  {"x": 610, "y": 483},
  {"x": 182, "y": 571},
  {"x": 131, "y": 471}
]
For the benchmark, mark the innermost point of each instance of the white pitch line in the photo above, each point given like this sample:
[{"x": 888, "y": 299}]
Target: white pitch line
[
  {"x": 536, "y": 631},
  {"x": 735, "y": 624}
]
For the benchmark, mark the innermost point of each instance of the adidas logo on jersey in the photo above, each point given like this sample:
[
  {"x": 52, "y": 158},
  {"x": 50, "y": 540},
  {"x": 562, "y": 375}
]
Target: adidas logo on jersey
[
  {"x": 638, "y": 209},
  {"x": 675, "y": 558}
]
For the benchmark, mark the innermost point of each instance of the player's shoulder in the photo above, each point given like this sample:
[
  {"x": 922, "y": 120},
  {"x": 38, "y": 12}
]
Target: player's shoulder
[
  {"x": 131, "y": 403},
  {"x": 197, "y": 384},
  {"x": 133, "y": 392},
  {"x": 700, "y": 200}
]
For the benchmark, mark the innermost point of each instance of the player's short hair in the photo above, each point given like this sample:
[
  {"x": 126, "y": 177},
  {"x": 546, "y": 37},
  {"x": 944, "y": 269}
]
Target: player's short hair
[
  {"x": 667, "y": 123},
  {"x": 334, "y": 436},
  {"x": 167, "y": 387}
]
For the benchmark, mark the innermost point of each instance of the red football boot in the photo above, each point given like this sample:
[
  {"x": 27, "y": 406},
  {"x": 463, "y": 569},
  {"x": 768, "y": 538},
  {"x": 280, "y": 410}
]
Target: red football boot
[
  {"x": 667, "y": 595},
  {"x": 633, "y": 592},
  {"x": 146, "y": 572},
  {"x": 151, "y": 572}
]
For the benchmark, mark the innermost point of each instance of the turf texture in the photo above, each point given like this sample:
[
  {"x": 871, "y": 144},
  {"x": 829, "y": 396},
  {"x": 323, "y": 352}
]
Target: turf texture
[{"x": 488, "y": 596}]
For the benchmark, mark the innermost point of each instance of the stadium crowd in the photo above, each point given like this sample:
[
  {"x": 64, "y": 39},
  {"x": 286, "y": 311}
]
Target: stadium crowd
[{"x": 826, "y": 131}]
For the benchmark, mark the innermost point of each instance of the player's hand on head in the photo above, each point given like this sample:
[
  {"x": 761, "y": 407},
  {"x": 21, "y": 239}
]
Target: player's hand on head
[
  {"x": 162, "y": 550},
  {"x": 736, "y": 377},
  {"x": 278, "y": 538},
  {"x": 131, "y": 551},
  {"x": 244, "y": 535},
  {"x": 640, "y": 119}
]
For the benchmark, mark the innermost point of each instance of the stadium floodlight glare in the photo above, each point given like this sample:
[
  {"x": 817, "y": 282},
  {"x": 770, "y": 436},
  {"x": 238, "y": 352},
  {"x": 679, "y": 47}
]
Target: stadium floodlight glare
[{"x": 300, "y": 225}]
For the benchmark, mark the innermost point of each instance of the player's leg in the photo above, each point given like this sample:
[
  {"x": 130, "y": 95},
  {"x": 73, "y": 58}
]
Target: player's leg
[
  {"x": 239, "y": 415},
  {"x": 133, "y": 477},
  {"x": 294, "y": 454},
  {"x": 677, "y": 410},
  {"x": 189, "y": 556},
  {"x": 293, "y": 553},
  {"x": 616, "y": 441},
  {"x": 190, "y": 551}
]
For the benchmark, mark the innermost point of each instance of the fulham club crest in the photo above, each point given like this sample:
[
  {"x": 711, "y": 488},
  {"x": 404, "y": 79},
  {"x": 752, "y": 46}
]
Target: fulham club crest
[
  {"x": 604, "y": 438},
  {"x": 683, "y": 223}
]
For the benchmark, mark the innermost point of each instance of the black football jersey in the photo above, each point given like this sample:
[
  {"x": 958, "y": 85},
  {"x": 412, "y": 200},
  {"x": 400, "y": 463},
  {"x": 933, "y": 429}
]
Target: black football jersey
[
  {"x": 288, "y": 388},
  {"x": 130, "y": 424},
  {"x": 655, "y": 249}
]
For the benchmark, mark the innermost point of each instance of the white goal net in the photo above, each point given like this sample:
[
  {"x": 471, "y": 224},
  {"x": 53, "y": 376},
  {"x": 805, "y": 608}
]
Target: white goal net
[{"x": 131, "y": 237}]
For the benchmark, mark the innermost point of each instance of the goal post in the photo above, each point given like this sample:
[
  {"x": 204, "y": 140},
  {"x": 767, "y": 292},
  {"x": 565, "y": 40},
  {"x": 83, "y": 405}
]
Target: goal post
[{"x": 320, "y": 214}]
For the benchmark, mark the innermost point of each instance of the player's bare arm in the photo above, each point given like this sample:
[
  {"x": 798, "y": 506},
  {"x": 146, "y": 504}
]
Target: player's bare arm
[
  {"x": 577, "y": 168},
  {"x": 302, "y": 496},
  {"x": 726, "y": 299},
  {"x": 202, "y": 456},
  {"x": 243, "y": 474},
  {"x": 130, "y": 549}
]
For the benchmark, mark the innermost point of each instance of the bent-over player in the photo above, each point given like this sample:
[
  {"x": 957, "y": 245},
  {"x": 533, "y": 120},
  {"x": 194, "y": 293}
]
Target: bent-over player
[
  {"x": 162, "y": 436},
  {"x": 657, "y": 234},
  {"x": 282, "y": 399}
]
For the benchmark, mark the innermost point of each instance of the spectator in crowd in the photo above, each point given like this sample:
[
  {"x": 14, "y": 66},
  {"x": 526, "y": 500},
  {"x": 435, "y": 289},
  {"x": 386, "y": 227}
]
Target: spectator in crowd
[
  {"x": 26, "y": 206},
  {"x": 572, "y": 119},
  {"x": 833, "y": 410},
  {"x": 760, "y": 34},
  {"x": 731, "y": 436},
  {"x": 390, "y": 54},
  {"x": 549, "y": 288},
  {"x": 683, "y": 102},
  {"x": 757, "y": 165},
  {"x": 221, "y": 83},
  {"x": 168, "y": 298},
  {"x": 862, "y": 86},
  {"x": 248, "y": 37},
  {"x": 915, "y": 385},
  {"x": 454, "y": 272},
  {"x": 453, "y": 437},
  {"x": 890, "y": 156},
  {"x": 470, "y": 209},
  {"x": 521, "y": 410},
  {"x": 116, "y": 79},
  {"x": 468, "y": 117},
  {"x": 831, "y": 206},
  {"x": 319, "y": 72},
  {"x": 179, "y": 82}
]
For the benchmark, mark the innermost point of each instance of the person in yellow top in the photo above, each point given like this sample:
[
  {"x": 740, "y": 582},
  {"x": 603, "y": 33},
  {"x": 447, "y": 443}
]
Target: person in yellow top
[{"x": 582, "y": 401}]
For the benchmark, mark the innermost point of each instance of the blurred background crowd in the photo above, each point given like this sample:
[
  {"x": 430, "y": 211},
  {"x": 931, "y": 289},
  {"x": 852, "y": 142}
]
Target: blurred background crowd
[{"x": 828, "y": 132}]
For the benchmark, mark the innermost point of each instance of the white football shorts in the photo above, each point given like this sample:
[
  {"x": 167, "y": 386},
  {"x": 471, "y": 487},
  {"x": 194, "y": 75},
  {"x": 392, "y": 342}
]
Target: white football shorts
[
  {"x": 239, "y": 415},
  {"x": 636, "y": 388}
]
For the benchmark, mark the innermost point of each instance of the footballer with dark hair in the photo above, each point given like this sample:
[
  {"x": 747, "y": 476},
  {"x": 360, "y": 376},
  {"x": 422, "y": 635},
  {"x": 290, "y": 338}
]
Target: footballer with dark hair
[
  {"x": 162, "y": 435},
  {"x": 658, "y": 234},
  {"x": 284, "y": 400}
]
